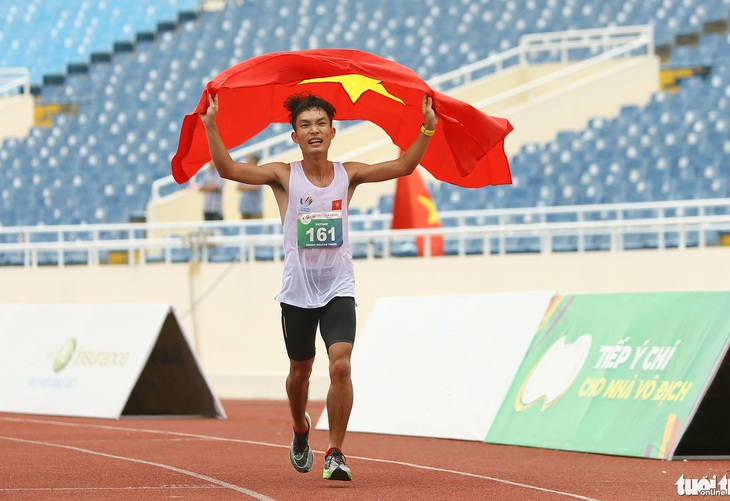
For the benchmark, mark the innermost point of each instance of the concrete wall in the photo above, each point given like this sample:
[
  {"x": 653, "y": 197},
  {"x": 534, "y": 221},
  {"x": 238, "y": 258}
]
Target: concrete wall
[{"x": 235, "y": 323}]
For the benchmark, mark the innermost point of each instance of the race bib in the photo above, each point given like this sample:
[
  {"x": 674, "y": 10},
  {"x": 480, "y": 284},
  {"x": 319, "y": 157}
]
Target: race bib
[{"x": 317, "y": 230}]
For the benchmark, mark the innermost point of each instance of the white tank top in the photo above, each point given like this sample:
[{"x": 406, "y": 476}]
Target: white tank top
[{"x": 317, "y": 257}]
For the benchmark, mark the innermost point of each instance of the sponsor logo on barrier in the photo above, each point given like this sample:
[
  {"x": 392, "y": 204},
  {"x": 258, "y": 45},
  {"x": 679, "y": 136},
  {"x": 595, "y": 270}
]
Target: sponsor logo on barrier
[
  {"x": 555, "y": 372},
  {"x": 102, "y": 358},
  {"x": 64, "y": 355},
  {"x": 54, "y": 382},
  {"x": 704, "y": 486},
  {"x": 71, "y": 353}
]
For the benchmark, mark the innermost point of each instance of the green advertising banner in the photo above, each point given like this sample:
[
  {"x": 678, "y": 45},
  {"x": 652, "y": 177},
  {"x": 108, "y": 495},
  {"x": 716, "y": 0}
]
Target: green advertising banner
[{"x": 620, "y": 374}]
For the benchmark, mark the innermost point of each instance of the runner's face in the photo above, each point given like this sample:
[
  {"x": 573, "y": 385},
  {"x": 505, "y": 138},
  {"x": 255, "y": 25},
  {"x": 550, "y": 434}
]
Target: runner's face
[{"x": 314, "y": 131}]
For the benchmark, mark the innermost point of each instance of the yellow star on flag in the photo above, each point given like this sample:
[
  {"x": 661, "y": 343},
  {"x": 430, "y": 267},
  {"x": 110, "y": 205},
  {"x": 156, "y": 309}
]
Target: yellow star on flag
[
  {"x": 355, "y": 85},
  {"x": 430, "y": 205}
]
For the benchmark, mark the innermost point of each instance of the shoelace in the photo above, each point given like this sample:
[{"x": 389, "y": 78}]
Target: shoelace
[
  {"x": 337, "y": 457},
  {"x": 300, "y": 443}
]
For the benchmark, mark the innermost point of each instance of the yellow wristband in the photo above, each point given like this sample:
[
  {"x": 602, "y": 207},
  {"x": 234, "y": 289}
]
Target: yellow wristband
[{"x": 427, "y": 132}]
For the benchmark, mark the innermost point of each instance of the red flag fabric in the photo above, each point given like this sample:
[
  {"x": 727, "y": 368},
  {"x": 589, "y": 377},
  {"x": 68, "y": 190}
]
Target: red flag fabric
[
  {"x": 413, "y": 207},
  {"x": 467, "y": 149}
]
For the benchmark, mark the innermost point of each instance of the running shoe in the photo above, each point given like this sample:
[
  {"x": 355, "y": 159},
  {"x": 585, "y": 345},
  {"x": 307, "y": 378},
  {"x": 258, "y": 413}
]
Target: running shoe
[
  {"x": 300, "y": 454},
  {"x": 335, "y": 467}
]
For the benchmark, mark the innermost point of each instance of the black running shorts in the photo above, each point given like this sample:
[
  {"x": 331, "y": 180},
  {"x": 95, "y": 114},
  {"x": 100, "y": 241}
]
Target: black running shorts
[{"x": 336, "y": 321}]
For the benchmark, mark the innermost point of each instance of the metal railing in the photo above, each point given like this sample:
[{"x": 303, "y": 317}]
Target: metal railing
[
  {"x": 14, "y": 81},
  {"x": 601, "y": 227}
]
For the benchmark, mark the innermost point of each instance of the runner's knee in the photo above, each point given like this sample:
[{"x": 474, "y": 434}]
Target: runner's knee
[
  {"x": 340, "y": 368},
  {"x": 300, "y": 371}
]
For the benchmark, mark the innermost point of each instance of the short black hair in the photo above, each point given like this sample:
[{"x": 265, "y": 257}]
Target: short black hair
[{"x": 297, "y": 103}]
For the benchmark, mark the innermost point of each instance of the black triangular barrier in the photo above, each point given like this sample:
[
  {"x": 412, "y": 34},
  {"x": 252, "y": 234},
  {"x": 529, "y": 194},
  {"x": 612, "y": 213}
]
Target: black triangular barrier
[{"x": 172, "y": 382}]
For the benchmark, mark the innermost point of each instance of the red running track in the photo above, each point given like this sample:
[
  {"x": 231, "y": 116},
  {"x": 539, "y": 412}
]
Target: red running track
[{"x": 246, "y": 457}]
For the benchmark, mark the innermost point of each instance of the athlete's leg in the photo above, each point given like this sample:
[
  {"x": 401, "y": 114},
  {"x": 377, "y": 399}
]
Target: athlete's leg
[
  {"x": 299, "y": 326},
  {"x": 340, "y": 394},
  {"x": 337, "y": 325},
  {"x": 297, "y": 390}
]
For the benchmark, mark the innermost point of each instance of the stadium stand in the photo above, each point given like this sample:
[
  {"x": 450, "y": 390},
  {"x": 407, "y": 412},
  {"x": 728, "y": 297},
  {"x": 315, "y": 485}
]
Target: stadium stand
[
  {"x": 48, "y": 35},
  {"x": 124, "y": 82}
]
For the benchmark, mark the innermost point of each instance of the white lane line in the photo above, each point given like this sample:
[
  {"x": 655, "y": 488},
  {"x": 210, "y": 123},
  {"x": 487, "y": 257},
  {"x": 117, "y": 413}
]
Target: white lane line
[
  {"x": 265, "y": 444},
  {"x": 483, "y": 477},
  {"x": 199, "y": 476},
  {"x": 180, "y": 487}
]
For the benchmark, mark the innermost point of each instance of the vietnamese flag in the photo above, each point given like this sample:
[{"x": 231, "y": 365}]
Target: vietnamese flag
[
  {"x": 413, "y": 207},
  {"x": 467, "y": 149}
]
